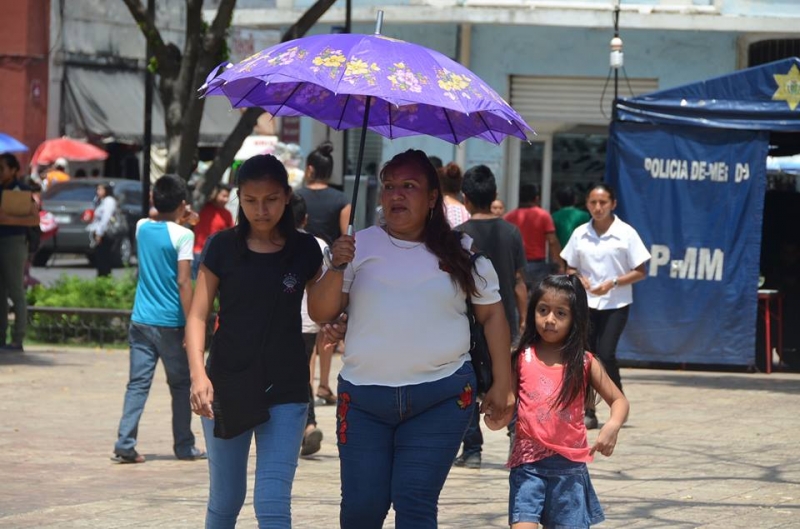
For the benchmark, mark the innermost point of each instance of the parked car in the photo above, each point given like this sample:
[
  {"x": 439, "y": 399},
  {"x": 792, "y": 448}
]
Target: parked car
[{"x": 71, "y": 203}]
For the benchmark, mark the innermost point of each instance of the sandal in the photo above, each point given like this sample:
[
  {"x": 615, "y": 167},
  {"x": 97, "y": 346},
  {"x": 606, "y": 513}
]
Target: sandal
[
  {"x": 312, "y": 442},
  {"x": 325, "y": 393}
]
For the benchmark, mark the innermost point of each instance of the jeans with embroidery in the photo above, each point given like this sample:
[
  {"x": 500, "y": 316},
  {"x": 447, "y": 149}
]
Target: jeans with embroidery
[{"x": 396, "y": 447}]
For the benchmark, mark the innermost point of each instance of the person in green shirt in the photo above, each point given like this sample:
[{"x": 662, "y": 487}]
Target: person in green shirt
[{"x": 568, "y": 217}]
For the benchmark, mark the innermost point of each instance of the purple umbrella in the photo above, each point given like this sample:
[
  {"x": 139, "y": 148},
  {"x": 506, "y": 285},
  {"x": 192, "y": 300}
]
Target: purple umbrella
[{"x": 389, "y": 86}]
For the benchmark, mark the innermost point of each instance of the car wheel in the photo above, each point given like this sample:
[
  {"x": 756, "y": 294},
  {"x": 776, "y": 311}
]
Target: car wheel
[
  {"x": 41, "y": 257},
  {"x": 123, "y": 251}
]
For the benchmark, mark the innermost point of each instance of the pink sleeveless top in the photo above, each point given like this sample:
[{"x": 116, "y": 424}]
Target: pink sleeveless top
[{"x": 543, "y": 431}]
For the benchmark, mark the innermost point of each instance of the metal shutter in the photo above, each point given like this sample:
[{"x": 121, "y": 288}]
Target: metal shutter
[{"x": 549, "y": 103}]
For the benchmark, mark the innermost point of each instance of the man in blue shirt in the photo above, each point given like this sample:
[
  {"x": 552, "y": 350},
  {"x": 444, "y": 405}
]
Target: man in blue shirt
[
  {"x": 163, "y": 298},
  {"x": 13, "y": 254}
]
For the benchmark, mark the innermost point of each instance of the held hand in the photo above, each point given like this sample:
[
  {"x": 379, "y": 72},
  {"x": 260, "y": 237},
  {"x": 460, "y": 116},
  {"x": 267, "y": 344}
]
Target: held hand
[
  {"x": 603, "y": 288},
  {"x": 606, "y": 439},
  {"x": 334, "y": 331},
  {"x": 343, "y": 250},
  {"x": 201, "y": 395},
  {"x": 498, "y": 406},
  {"x": 98, "y": 238}
]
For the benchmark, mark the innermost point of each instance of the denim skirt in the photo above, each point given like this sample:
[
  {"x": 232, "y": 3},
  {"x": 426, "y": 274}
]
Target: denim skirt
[{"x": 554, "y": 492}]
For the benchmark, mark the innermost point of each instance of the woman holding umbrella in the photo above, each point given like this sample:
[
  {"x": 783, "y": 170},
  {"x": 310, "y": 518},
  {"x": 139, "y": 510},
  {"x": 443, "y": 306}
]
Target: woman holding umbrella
[{"x": 407, "y": 388}]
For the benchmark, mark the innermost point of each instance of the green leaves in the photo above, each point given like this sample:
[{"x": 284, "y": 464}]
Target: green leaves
[{"x": 74, "y": 292}]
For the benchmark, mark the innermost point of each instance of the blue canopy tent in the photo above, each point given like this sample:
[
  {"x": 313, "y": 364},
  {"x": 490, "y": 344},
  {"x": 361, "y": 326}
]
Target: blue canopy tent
[{"x": 689, "y": 166}]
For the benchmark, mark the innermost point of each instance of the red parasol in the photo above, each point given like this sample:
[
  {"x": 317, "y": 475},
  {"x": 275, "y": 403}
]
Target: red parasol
[{"x": 73, "y": 150}]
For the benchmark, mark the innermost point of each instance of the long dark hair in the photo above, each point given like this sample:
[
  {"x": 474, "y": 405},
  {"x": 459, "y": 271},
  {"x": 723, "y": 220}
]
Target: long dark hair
[
  {"x": 322, "y": 162},
  {"x": 263, "y": 167},
  {"x": 442, "y": 241},
  {"x": 574, "y": 348}
]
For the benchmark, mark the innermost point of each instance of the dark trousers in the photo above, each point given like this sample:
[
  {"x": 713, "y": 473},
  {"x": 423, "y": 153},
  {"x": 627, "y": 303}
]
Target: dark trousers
[
  {"x": 606, "y": 329},
  {"x": 473, "y": 438},
  {"x": 103, "y": 256},
  {"x": 309, "y": 339}
]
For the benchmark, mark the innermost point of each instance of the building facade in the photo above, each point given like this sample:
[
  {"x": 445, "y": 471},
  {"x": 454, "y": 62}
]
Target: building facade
[
  {"x": 550, "y": 59},
  {"x": 24, "y": 71}
]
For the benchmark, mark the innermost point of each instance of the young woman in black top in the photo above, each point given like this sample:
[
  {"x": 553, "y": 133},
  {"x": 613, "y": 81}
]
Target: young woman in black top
[
  {"x": 328, "y": 208},
  {"x": 255, "y": 382}
]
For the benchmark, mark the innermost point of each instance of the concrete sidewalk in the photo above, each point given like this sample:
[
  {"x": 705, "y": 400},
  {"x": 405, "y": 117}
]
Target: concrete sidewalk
[{"x": 700, "y": 450}]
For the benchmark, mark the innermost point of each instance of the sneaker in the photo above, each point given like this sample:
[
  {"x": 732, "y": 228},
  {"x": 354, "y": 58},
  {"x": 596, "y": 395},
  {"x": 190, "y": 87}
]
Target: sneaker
[
  {"x": 12, "y": 348},
  {"x": 312, "y": 442},
  {"x": 195, "y": 455},
  {"x": 472, "y": 461},
  {"x": 590, "y": 420},
  {"x": 130, "y": 457}
]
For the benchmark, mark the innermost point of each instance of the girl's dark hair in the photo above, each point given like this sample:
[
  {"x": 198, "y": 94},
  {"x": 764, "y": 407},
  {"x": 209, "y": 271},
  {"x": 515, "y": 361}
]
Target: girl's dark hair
[
  {"x": 263, "y": 167},
  {"x": 604, "y": 187},
  {"x": 11, "y": 161},
  {"x": 574, "y": 348},
  {"x": 109, "y": 189},
  {"x": 451, "y": 178},
  {"x": 322, "y": 161},
  {"x": 442, "y": 241}
]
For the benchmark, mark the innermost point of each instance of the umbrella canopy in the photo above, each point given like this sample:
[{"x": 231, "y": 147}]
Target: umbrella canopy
[
  {"x": 72, "y": 150},
  {"x": 413, "y": 90},
  {"x": 9, "y": 144}
]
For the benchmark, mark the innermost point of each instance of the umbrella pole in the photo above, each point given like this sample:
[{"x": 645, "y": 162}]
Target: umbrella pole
[
  {"x": 360, "y": 159},
  {"x": 350, "y": 229}
]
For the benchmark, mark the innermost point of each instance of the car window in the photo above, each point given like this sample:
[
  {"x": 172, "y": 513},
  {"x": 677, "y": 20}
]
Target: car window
[
  {"x": 132, "y": 197},
  {"x": 79, "y": 193}
]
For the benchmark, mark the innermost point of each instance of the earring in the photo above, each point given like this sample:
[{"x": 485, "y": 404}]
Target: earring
[{"x": 430, "y": 215}]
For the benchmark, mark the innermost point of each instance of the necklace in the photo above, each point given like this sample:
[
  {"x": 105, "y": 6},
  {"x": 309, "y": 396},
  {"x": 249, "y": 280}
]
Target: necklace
[{"x": 391, "y": 240}]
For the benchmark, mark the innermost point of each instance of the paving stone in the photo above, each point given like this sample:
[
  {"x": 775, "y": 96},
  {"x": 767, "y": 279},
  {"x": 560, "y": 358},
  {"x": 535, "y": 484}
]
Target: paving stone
[{"x": 701, "y": 450}]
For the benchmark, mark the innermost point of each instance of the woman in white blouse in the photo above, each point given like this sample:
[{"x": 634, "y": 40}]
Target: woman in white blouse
[
  {"x": 609, "y": 256},
  {"x": 407, "y": 388},
  {"x": 100, "y": 229}
]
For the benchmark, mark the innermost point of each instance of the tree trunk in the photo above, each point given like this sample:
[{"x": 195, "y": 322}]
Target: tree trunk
[
  {"x": 244, "y": 127},
  {"x": 180, "y": 74}
]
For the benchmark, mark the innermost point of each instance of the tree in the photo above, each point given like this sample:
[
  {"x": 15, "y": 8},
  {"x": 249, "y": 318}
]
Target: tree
[{"x": 181, "y": 73}]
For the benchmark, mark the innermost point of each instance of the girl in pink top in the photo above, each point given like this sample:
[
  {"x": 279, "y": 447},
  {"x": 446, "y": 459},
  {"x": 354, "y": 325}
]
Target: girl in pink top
[{"x": 549, "y": 480}]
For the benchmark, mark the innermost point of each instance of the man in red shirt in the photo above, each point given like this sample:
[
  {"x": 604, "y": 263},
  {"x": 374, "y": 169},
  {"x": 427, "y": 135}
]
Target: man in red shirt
[{"x": 538, "y": 231}]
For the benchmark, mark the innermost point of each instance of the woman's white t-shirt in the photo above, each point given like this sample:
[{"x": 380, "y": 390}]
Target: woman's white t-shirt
[
  {"x": 407, "y": 320},
  {"x": 604, "y": 257}
]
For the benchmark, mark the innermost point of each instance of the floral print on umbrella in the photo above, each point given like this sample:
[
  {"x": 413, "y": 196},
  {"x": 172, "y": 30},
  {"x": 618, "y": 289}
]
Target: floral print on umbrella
[
  {"x": 455, "y": 84},
  {"x": 288, "y": 57},
  {"x": 404, "y": 79},
  {"x": 357, "y": 69},
  {"x": 329, "y": 59}
]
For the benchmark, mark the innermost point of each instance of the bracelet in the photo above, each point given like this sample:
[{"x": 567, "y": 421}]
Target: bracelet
[
  {"x": 615, "y": 282},
  {"x": 327, "y": 258}
]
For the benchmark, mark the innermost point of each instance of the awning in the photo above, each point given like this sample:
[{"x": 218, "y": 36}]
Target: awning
[{"x": 110, "y": 104}]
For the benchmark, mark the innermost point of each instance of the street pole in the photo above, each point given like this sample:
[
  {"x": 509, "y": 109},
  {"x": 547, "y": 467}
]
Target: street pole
[
  {"x": 148, "y": 116},
  {"x": 616, "y": 60}
]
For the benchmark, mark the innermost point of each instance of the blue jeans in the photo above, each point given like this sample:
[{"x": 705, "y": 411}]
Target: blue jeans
[
  {"x": 277, "y": 448},
  {"x": 396, "y": 447},
  {"x": 148, "y": 343}
]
